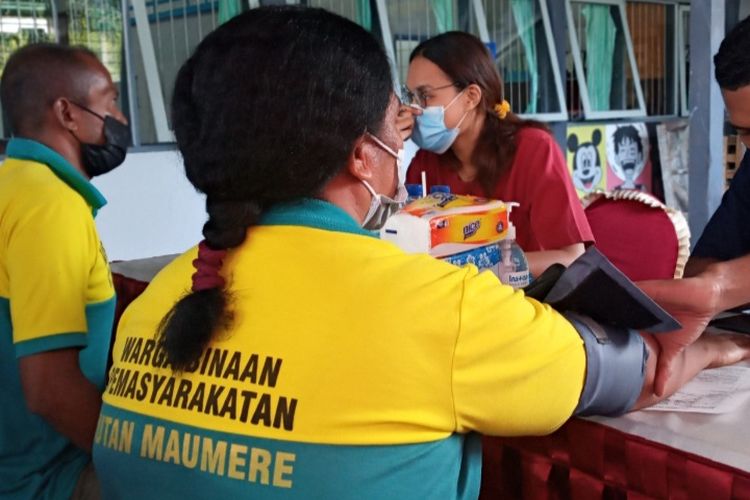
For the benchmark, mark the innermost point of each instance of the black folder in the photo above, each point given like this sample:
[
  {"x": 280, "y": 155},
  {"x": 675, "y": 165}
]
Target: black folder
[
  {"x": 594, "y": 287},
  {"x": 739, "y": 322}
]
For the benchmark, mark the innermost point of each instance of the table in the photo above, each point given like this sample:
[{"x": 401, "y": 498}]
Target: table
[
  {"x": 643, "y": 454},
  {"x": 131, "y": 277}
]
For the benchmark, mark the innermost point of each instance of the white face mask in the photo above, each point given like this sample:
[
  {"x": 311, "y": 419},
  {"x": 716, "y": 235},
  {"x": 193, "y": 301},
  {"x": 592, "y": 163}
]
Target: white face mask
[
  {"x": 400, "y": 164},
  {"x": 382, "y": 206}
]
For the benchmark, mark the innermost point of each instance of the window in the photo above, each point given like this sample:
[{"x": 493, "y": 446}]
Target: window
[
  {"x": 23, "y": 22},
  {"x": 653, "y": 29},
  {"x": 371, "y": 15},
  {"x": 97, "y": 24},
  {"x": 516, "y": 32},
  {"x": 521, "y": 39},
  {"x": 683, "y": 55},
  {"x": 162, "y": 34},
  {"x": 413, "y": 22},
  {"x": 606, "y": 83}
]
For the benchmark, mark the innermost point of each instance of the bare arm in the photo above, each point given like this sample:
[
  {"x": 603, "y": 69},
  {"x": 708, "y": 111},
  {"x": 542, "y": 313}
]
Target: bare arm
[
  {"x": 696, "y": 265},
  {"x": 541, "y": 260},
  {"x": 732, "y": 277},
  {"x": 709, "y": 351},
  {"x": 56, "y": 390}
]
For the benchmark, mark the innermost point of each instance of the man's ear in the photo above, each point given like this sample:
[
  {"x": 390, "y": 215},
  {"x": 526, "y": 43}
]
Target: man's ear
[
  {"x": 65, "y": 114},
  {"x": 361, "y": 160},
  {"x": 473, "y": 95}
]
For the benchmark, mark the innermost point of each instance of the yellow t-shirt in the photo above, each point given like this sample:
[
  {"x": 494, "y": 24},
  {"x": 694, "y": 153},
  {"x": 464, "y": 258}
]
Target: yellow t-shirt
[
  {"x": 55, "y": 292},
  {"x": 342, "y": 350}
]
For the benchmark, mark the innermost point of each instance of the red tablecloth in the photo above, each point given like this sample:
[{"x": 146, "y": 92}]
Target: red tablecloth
[
  {"x": 127, "y": 290},
  {"x": 587, "y": 460}
]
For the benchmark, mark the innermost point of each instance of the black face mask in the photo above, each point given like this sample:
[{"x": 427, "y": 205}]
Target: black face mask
[{"x": 99, "y": 159}]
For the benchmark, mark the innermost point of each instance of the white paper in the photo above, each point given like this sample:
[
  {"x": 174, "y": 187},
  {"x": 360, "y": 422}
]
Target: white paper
[{"x": 720, "y": 390}]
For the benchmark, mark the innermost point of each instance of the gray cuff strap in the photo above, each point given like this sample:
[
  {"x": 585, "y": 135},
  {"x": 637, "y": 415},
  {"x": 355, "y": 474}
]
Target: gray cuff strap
[{"x": 615, "y": 367}]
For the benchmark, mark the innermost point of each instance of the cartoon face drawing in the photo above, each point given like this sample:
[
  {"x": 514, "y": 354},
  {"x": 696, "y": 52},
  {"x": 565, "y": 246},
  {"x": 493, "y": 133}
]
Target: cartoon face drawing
[
  {"x": 587, "y": 164},
  {"x": 629, "y": 161}
]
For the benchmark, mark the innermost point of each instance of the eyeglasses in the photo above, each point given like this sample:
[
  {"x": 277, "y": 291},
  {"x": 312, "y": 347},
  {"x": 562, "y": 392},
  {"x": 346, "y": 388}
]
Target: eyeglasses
[{"x": 419, "y": 96}]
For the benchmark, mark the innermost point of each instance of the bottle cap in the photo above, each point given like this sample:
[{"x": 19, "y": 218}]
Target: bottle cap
[{"x": 414, "y": 190}]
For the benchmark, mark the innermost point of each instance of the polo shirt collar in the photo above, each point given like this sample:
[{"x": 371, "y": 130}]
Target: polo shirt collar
[
  {"x": 310, "y": 212},
  {"x": 27, "y": 149}
]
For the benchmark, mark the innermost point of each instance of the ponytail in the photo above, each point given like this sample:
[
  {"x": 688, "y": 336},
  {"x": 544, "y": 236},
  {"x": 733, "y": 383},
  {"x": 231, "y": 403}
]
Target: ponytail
[{"x": 190, "y": 325}]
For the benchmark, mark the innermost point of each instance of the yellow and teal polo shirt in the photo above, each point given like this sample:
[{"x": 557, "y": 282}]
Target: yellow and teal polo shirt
[
  {"x": 350, "y": 370},
  {"x": 55, "y": 292}
]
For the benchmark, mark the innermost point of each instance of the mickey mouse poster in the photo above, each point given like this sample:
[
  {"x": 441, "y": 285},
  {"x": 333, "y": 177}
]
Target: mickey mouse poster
[
  {"x": 585, "y": 158},
  {"x": 628, "y": 157}
]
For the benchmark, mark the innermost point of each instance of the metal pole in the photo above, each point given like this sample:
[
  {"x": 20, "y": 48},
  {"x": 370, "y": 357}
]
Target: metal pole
[
  {"x": 706, "y": 162},
  {"x": 153, "y": 80},
  {"x": 135, "y": 119},
  {"x": 385, "y": 30}
]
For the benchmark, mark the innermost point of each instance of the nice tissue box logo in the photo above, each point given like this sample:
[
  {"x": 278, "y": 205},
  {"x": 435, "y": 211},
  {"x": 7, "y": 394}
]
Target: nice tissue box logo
[{"x": 471, "y": 229}]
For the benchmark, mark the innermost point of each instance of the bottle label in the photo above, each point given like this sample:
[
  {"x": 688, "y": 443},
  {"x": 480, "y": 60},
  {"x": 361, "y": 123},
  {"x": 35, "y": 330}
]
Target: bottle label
[{"x": 517, "y": 279}]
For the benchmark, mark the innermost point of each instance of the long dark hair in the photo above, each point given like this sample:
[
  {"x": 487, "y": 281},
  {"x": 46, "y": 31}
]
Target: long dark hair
[
  {"x": 465, "y": 59},
  {"x": 267, "y": 110}
]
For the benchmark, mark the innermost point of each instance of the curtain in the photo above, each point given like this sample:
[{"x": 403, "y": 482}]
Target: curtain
[
  {"x": 523, "y": 14},
  {"x": 228, "y": 9},
  {"x": 443, "y": 10},
  {"x": 600, "y": 46},
  {"x": 364, "y": 14}
]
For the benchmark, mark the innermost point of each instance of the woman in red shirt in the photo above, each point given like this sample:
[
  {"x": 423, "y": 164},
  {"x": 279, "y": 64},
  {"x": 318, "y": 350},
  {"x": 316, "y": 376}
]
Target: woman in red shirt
[{"x": 471, "y": 141}]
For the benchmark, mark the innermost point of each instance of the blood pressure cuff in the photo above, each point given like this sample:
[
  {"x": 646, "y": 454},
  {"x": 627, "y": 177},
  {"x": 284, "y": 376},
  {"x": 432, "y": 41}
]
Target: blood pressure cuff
[{"x": 615, "y": 367}]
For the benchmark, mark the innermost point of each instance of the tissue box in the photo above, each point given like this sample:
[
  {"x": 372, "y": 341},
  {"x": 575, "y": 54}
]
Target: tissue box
[{"x": 444, "y": 224}]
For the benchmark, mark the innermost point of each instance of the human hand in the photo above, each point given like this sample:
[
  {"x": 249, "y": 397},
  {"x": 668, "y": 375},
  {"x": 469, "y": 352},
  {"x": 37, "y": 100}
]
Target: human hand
[
  {"x": 405, "y": 120},
  {"x": 693, "y": 301}
]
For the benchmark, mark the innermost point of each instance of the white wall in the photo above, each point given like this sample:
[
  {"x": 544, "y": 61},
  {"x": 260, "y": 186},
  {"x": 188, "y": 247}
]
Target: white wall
[{"x": 152, "y": 209}]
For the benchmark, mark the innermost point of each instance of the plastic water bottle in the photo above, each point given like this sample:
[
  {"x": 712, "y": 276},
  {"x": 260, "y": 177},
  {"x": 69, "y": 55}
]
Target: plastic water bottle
[
  {"x": 513, "y": 268},
  {"x": 413, "y": 192}
]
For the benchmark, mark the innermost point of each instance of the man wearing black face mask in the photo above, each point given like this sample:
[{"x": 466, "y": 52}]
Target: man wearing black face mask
[{"x": 56, "y": 294}]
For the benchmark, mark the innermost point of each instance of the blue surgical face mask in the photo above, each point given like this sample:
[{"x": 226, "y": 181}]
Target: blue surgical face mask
[{"x": 430, "y": 132}]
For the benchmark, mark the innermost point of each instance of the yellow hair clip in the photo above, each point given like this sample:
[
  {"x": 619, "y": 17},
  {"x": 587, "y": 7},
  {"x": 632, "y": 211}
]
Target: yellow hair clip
[{"x": 502, "y": 109}]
